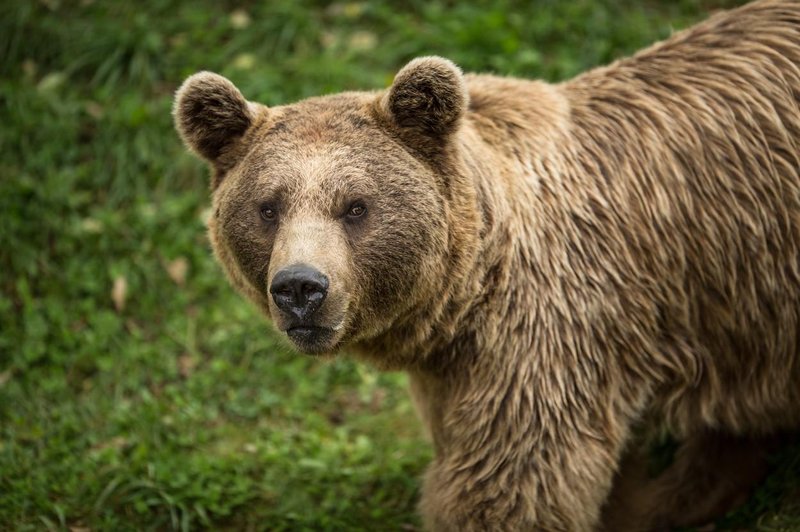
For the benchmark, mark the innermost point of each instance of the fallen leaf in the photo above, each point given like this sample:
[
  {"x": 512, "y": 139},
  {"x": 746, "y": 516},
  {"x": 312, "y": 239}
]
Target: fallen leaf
[
  {"x": 186, "y": 365},
  {"x": 328, "y": 39},
  {"x": 90, "y": 225},
  {"x": 240, "y": 19},
  {"x": 117, "y": 442},
  {"x": 51, "y": 82},
  {"x": 119, "y": 293},
  {"x": 29, "y": 68},
  {"x": 362, "y": 40},
  {"x": 353, "y": 9},
  {"x": 177, "y": 270},
  {"x": 244, "y": 61},
  {"x": 95, "y": 110}
]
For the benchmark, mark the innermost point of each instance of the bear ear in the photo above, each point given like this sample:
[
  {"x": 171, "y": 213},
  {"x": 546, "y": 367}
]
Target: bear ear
[
  {"x": 428, "y": 95},
  {"x": 210, "y": 115}
]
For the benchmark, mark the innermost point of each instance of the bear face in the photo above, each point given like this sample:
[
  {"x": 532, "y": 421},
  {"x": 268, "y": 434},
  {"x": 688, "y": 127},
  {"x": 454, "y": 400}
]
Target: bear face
[{"x": 331, "y": 214}]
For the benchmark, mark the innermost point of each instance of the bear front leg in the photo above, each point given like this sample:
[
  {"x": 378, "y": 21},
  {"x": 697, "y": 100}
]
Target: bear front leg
[
  {"x": 553, "y": 491},
  {"x": 553, "y": 477}
]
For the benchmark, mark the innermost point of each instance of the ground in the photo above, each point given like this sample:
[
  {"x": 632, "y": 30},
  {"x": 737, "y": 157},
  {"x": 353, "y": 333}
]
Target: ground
[{"x": 137, "y": 391}]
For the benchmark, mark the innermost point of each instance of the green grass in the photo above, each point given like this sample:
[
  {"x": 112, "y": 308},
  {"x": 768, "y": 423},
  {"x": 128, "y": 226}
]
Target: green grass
[{"x": 172, "y": 405}]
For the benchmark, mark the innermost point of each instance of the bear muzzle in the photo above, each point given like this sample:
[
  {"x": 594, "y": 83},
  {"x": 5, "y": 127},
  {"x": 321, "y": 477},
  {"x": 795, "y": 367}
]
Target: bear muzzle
[{"x": 298, "y": 292}]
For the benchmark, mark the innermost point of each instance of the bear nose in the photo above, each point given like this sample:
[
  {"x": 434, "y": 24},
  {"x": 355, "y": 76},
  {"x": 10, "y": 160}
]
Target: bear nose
[{"x": 299, "y": 290}]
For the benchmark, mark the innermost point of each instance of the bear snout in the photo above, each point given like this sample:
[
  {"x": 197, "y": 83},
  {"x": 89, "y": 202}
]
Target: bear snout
[{"x": 299, "y": 291}]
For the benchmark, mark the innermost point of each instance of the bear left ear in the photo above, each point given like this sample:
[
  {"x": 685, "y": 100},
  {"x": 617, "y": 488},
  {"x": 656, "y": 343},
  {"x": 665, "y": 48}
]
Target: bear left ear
[
  {"x": 211, "y": 115},
  {"x": 428, "y": 95}
]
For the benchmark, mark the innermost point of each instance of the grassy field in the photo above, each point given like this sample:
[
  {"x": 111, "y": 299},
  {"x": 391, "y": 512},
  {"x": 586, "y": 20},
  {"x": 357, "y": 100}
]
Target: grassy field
[{"x": 137, "y": 391}]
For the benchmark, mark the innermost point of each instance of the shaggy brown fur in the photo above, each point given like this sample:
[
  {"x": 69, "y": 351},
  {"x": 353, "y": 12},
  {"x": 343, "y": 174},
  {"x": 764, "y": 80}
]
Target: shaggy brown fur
[{"x": 554, "y": 265}]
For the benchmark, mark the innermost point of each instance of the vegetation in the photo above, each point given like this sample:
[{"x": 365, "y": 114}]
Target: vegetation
[{"x": 137, "y": 391}]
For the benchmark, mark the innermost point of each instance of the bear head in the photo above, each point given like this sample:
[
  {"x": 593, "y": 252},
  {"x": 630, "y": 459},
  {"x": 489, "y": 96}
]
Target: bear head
[{"x": 338, "y": 215}]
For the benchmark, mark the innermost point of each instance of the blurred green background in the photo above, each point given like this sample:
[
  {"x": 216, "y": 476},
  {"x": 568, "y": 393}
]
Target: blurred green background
[{"x": 137, "y": 391}]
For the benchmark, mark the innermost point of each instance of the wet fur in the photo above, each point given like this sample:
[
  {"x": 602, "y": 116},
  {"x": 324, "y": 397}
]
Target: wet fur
[{"x": 575, "y": 260}]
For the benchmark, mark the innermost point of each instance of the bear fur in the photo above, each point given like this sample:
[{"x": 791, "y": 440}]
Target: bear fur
[{"x": 555, "y": 266}]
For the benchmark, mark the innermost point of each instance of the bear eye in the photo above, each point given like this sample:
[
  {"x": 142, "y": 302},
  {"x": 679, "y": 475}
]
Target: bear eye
[
  {"x": 268, "y": 213},
  {"x": 356, "y": 210}
]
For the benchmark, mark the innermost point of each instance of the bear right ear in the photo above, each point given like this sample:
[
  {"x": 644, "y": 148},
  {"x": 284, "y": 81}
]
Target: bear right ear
[
  {"x": 211, "y": 115},
  {"x": 428, "y": 95}
]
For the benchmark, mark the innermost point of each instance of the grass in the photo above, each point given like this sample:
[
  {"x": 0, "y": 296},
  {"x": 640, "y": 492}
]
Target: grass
[{"x": 137, "y": 391}]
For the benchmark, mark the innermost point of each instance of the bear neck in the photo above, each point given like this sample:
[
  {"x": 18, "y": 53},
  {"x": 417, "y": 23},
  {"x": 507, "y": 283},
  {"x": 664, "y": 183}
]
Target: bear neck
[{"x": 493, "y": 179}]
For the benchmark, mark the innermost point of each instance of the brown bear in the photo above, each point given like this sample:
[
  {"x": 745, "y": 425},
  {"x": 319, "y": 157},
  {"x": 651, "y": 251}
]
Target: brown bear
[{"x": 555, "y": 266}]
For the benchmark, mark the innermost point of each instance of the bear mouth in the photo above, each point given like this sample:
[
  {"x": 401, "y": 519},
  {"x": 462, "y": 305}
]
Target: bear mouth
[{"x": 311, "y": 339}]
